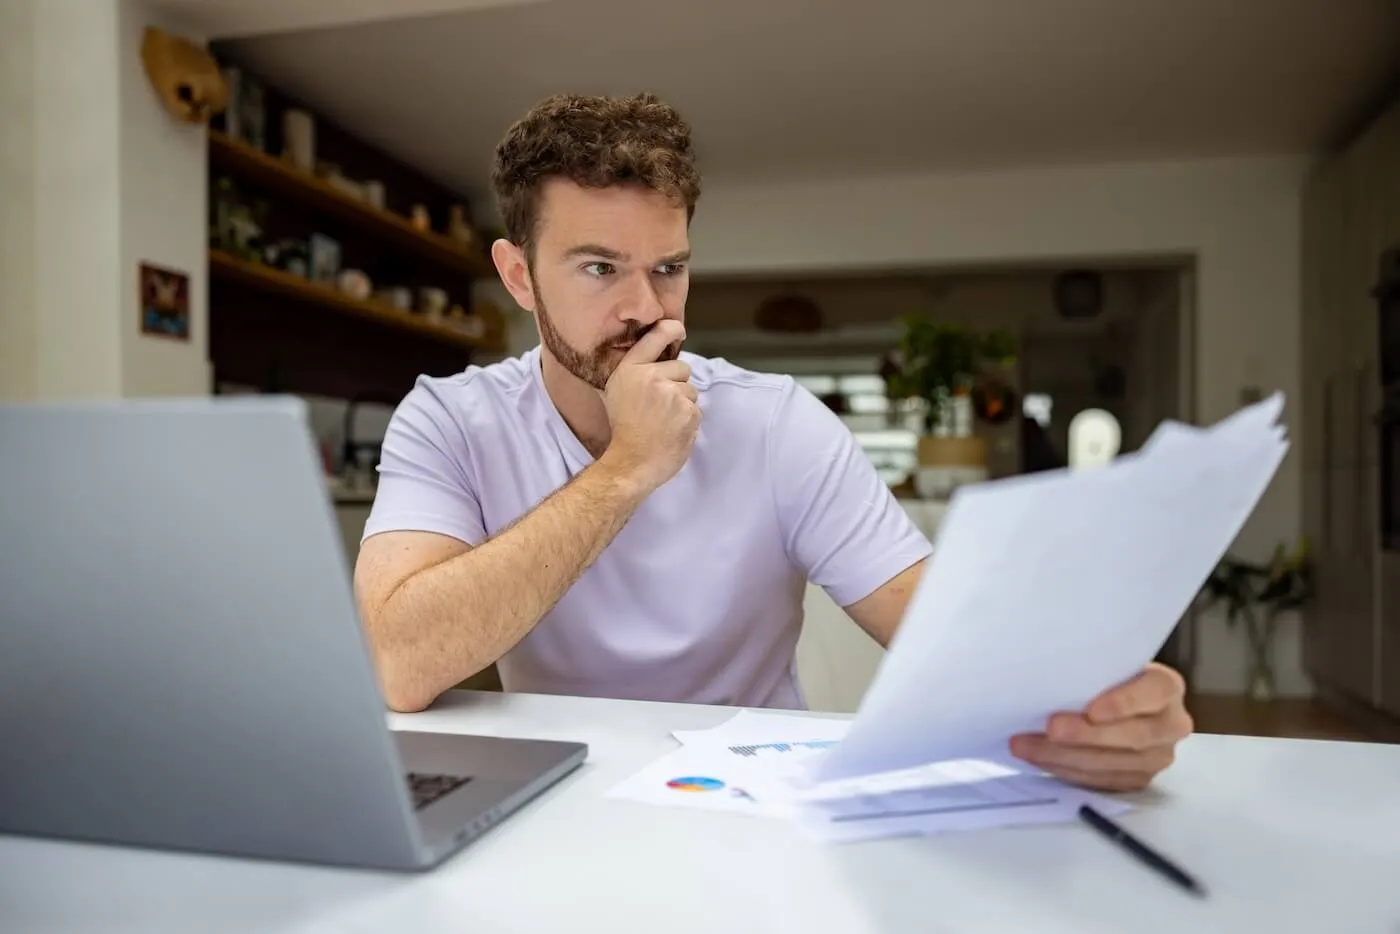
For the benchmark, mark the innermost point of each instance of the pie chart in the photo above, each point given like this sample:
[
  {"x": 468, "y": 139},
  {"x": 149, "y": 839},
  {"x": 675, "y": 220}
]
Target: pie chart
[{"x": 695, "y": 783}]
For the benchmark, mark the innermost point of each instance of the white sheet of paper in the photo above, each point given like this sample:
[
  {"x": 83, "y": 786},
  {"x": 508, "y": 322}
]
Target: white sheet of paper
[
  {"x": 946, "y": 797},
  {"x": 756, "y": 764},
  {"x": 1048, "y": 589},
  {"x": 753, "y": 728},
  {"x": 692, "y": 777}
]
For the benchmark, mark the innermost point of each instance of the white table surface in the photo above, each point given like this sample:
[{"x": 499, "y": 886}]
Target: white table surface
[{"x": 1289, "y": 835}]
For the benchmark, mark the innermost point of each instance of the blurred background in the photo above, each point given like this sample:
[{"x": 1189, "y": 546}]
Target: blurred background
[{"x": 961, "y": 223}]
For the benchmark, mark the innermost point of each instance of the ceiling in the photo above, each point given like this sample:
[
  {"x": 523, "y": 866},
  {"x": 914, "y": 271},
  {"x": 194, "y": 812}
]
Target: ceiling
[
  {"x": 226, "y": 19},
  {"x": 837, "y": 87}
]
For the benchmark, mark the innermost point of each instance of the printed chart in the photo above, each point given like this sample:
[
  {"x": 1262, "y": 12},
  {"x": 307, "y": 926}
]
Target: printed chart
[
  {"x": 755, "y": 750},
  {"x": 695, "y": 783},
  {"x": 711, "y": 780}
]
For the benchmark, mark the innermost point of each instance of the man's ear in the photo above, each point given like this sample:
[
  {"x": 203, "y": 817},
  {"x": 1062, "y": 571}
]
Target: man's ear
[{"x": 515, "y": 273}]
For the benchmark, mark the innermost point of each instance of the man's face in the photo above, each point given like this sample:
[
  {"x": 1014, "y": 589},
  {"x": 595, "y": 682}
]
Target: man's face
[{"x": 608, "y": 264}]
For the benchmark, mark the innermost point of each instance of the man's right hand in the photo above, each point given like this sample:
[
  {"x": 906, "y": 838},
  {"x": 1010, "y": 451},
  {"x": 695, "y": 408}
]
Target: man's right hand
[{"x": 652, "y": 409}]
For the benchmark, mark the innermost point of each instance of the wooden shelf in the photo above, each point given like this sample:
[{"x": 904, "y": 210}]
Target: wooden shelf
[
  {"x": 277, "y": 175},
  {"x": 277, "y": 282}
]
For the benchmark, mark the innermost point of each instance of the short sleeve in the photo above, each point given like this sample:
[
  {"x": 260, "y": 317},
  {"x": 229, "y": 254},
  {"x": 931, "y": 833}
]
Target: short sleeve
[
  {"x": 841, "y": 524},
  {"x": 423, "y": 480}
]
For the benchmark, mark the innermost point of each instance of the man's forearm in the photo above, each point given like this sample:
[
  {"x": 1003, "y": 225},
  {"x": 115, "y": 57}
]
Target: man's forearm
[{"x": 450, "y": 621}]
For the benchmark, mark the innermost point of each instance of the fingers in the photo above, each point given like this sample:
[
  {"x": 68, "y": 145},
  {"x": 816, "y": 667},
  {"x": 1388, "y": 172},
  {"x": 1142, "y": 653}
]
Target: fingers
[
  {"x": 655, "y": 342},
  {"x": 1152, "y": 690},
  {"x": 677, "y": 370},
  {"x": 1104, "y": 769},
  {"x": 1124, "y": 738},
  {"x": 1133, "y": 734},
  {"x": 690, "y": 392},
  {"x": 1140, "y": 734},
  {"x": 1121, "y": 780}
]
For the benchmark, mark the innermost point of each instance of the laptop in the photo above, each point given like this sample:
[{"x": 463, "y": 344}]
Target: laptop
[{"x": 182, "y": 664}]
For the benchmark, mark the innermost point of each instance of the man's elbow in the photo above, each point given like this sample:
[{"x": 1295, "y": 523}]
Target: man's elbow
[
  {"x": 402, "y": 694},
  {"x": 406, "y": 702},
  {"x": 399, "y": 684}
]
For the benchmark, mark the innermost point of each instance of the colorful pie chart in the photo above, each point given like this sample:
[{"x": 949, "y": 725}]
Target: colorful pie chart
[{"x": 695, "y": 783}]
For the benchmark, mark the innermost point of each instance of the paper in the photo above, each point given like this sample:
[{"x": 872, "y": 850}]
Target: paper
[
  {"x": 691, "y": 778},
  {"x": 714, "y": 769},
  {"x": 945, "y": 797},
  {"x": 749, "y": 728},
  {"x": 1048, "y": 589},
  {"x": 757, "y": 764}
]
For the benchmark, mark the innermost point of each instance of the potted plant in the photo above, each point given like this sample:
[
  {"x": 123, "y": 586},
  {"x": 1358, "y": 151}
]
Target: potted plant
[
  {"x": 1257, "y": 595},
  {"x": 940, "y": 366}
]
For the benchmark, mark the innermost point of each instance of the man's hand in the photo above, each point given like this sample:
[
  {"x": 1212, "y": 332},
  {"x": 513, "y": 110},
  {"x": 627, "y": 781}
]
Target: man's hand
[
  {"x": 1121, "y": 741},
  {"x": 652, "y": 408}
]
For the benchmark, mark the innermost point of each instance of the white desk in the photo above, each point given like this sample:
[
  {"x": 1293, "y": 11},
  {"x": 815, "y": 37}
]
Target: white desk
[{"x": 1288, "y": 835}]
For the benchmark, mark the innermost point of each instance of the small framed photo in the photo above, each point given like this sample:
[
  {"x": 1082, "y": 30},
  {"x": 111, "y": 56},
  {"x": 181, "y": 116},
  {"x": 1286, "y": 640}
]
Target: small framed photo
[{"x": 165, "y": 302}]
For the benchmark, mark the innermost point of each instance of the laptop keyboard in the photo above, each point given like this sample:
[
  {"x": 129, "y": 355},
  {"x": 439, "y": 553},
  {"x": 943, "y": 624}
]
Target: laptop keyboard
[{"x": 428, "y": 788}]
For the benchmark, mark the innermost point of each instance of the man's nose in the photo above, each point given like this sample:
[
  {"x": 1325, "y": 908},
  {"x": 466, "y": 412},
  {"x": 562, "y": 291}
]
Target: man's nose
[{"x": 643, "y": 303}]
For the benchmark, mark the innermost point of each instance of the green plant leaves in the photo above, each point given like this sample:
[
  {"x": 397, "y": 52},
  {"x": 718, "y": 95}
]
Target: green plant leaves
[{"x": 938, "y": 361}]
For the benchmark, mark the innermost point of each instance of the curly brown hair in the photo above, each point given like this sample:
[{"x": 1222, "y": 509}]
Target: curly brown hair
[{"x": 595, "y": 142}]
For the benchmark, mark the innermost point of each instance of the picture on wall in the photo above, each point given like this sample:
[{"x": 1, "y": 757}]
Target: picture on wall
[{"x": 165, "y": 302}]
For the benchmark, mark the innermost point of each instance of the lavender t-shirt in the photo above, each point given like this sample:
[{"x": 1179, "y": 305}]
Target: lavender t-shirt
[{"x": 699, "y": 598}]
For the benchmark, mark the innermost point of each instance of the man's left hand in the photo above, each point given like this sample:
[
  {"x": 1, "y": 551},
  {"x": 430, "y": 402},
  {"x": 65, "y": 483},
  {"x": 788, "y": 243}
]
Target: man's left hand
[{"x": 1123, "y": 738}]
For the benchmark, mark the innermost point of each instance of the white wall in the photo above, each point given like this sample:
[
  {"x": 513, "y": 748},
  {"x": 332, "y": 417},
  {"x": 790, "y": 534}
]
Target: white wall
[
  {"x": 77, "y": 187},
  {"x": 1238, "y": 218},
  {"x": 96, "y": 178},
  {"x": 61, "y": 181},
  {"x": 18, "y": 336},
  {"x": 164, "y": 220}
]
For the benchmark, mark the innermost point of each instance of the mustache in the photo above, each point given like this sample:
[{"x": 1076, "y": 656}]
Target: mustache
[{"x": 634, "y": 331}]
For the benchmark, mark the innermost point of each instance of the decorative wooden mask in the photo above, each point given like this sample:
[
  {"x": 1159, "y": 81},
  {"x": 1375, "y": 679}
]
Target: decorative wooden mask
[{"x": 185, "y": 76}]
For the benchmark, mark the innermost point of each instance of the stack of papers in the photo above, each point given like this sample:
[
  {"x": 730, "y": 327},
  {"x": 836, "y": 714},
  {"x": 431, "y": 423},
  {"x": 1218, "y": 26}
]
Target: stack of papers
[
  {"x": 759, "y": 764},
  {"x": 1045, "y": 591}
]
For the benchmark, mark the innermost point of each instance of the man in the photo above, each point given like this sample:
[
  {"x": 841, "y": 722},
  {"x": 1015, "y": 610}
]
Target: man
[{"x": 605, "y": 515}]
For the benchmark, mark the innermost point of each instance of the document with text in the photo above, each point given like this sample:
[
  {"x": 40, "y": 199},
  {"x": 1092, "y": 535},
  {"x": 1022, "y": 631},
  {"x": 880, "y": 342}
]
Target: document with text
[{"x": 1046, "y": 590}]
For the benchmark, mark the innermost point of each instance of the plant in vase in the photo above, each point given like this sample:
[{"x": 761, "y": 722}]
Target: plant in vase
[
  {"x": 939, "y": 365},
  {"x": 1257, "y": 595}
]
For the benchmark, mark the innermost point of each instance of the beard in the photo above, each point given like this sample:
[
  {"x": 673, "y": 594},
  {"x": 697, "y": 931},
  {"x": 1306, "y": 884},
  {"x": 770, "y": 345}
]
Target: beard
[{"x": 594, "y": 366}]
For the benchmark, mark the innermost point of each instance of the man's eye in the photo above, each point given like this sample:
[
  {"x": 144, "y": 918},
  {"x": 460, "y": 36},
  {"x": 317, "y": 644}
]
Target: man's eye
[
  {"x": 670, "y": 269},
  {"x": 598, "y": 269}
]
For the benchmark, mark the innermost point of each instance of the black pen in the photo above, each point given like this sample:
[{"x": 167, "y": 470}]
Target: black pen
[{"x": 1140, "y": 850}]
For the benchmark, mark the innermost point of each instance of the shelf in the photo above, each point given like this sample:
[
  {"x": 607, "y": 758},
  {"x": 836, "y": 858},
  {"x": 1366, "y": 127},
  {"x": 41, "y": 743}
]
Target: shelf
[
  {"x": 348, "y": 496},
  {"x": 277, "y": 175},
  {"x": 277, "y": 282}
]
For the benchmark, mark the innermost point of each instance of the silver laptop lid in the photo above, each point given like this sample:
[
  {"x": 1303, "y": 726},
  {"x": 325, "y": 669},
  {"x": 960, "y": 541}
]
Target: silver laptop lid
[{"x": 181, "y": 662}]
